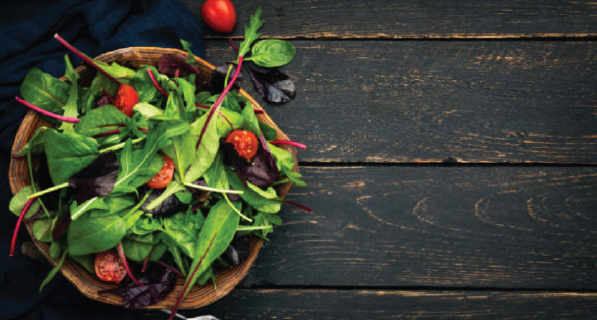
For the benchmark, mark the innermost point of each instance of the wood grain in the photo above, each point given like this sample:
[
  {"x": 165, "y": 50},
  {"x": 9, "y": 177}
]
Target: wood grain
[
  {"x": 416, "y": 19},
  {"x": 413, "y": 101},
  {"x": 459, "y": 227}
]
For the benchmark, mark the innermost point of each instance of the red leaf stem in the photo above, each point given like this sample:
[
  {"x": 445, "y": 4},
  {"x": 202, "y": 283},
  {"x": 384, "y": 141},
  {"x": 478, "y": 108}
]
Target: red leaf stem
[
  {"x": 18, "y": 226},
  {"x": 296, "y": 204},
  {"x": 126, "y": 265},
  {"x": 47, "y": 113},
  {"x": 290, "y": 143},
  {"x": 216, "y": 107},
  {"x": 188, "y": 282},
  {"x": 171, "y": 268},
  {"x": 156, "y": 84},
  {"x": 85, "y": 58},
  {"x": 109, "y": 96}
]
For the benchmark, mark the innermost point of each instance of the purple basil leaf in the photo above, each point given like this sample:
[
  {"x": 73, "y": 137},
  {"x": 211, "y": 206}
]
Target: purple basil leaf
[
  {"x": 157, "y": 281},
  {"x": 167, "y": 208},
  {"x": 104, "y": 100},
  {"x": 97, "y": 179},
  {"x": 237, "y": 252},
  {"x": 275, "y": 86},
  {"x": 218, "y": 77},
  {"x": 261, "y": 171},
  {"x": 169, "y": 63}
]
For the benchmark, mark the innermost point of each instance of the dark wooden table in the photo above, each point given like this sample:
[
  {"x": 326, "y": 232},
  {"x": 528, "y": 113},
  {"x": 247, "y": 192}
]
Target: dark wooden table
[{"x": 451, "y": 162}]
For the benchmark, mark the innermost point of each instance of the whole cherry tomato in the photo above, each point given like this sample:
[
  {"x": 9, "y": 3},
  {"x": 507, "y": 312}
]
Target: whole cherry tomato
[
  {"x": 245, "y": 143},
  {"x": 109, "y": 266},
  {"x": 162, "y": 178},
  {"x": 126, "y": 98},
  {"x": 219, "y": 15}
]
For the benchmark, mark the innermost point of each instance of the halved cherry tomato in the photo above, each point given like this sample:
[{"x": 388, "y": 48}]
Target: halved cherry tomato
[
  {"x": 245, "y": 143},
  {"x": 126, "y": 98},
  {"x": 219, "y": 15},
  {"x": 162, "y": 178},
  {"x": 109, "y": 266}
]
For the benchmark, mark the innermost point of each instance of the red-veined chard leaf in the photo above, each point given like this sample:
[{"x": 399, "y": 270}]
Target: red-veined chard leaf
[{"x": 45, "y": 91}]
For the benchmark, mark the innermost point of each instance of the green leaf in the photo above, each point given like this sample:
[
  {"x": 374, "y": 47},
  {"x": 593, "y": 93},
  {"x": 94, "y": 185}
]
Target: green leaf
[
  {"x": 272, "y": 53},
  {"x": 90, "y": 235},
  {"x": 90, "y": 95},
  {"x": 148, "y": 110},
  {"x": 187, "y": 47},
  {"x": 182, "y": 229},
  {"x": 207, "y": 151},
  {"x": 42, "y": 230},
  {"x": 116, "y": 70},
  {"x": 70, "y": 108},
  {"x": 68, "y": 153},
  {"x": 250, "y": 121},
  {"x": 142, "y": 83},
  {"x": 268, "y": 131},
  {"x": 52, "y": 273},
  {"x": 264, "y": 219},
  {"x": 55, "y": 250},
  {"x": 216, "y": 176},
  {"x": 99, "y": 120},
  {"x": 87, "y": 261},
  {"x": 254, "y": 196},
  {"x": 136, "y": 247},
  {"x": 96, "y": 205},
  {"x": 146, "y": 224},
  {"x": 215, "y": 237},
  {"x": 35, "y": 144},
  {"x": 18, "y": 201},
  {"x": 45, "y": 91},
  {"x": 251, "y": 33}
]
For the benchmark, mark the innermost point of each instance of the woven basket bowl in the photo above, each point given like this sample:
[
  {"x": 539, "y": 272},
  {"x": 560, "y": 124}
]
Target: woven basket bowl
[{"x": 89, "y": 284}]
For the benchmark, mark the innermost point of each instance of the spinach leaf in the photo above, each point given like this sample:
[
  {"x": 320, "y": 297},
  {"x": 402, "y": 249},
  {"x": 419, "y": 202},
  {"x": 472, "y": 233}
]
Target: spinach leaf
[
  {"x": 18, "y": 201},
  {"x": 45, "y": 91},
  {"x": 87, "y": 261},
  {"x": 99, "y": 120},
  {"x": 207, "y": 151},
  {"x": 70, "y": 108},
  {"x": 137, "y": 247},
  {"x": 42, "y": 230},
  {"x": 146, "y": 225},
  {"x": 95, "y": 234},
  {"x": 272, "y": 53},
  {"x": 68, "y": 153},
  {"x": 215, "y": 236}
]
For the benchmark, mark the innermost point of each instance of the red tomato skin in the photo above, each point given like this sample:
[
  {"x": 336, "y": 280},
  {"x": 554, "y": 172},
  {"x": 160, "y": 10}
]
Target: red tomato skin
[
  {"x": 245, "y": 143},
  {"x": 219, "y": 15},
  {"x": 164, "y": 177},
  {"x": 109, "y": 266},
  {"x": 126, "y": 98}
]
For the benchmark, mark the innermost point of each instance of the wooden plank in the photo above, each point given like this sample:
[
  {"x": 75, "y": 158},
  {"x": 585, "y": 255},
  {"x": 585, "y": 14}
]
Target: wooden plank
[
  {"x": 414, "y": 19},
  {"x": 417, "y": 101},
  {"x": 473, "y": 227},
  {"x": 387, "y": 304}
]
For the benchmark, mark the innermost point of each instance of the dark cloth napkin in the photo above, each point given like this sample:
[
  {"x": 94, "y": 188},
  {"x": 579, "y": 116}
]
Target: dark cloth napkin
[{"x": 27, "y": 28}]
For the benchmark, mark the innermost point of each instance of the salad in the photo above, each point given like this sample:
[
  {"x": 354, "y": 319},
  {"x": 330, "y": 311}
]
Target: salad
[{"x": 145, "y": 177}]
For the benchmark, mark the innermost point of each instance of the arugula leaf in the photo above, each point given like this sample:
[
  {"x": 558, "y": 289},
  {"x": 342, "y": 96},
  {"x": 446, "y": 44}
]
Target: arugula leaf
[
  {"x": 251, "y": 33},
  {"x": 70, "y": 108},
  {"x": 187, "y": 47},
  {"x": 272, "y": 53},
  {"x": 95, "y": 234},
  {"x": 264, "y": 219},
  {"x": 52, "y": 273},
  {"x": 45, "y": 91},
  {"x": 68, "y": 153}
]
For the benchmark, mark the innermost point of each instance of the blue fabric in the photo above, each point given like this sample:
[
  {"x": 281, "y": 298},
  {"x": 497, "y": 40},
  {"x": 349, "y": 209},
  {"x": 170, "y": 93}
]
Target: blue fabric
[{"x": 26, "y": 41}]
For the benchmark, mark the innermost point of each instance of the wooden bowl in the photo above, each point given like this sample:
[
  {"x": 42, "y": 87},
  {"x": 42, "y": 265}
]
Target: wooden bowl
[{"x": 89, "y": 284}]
